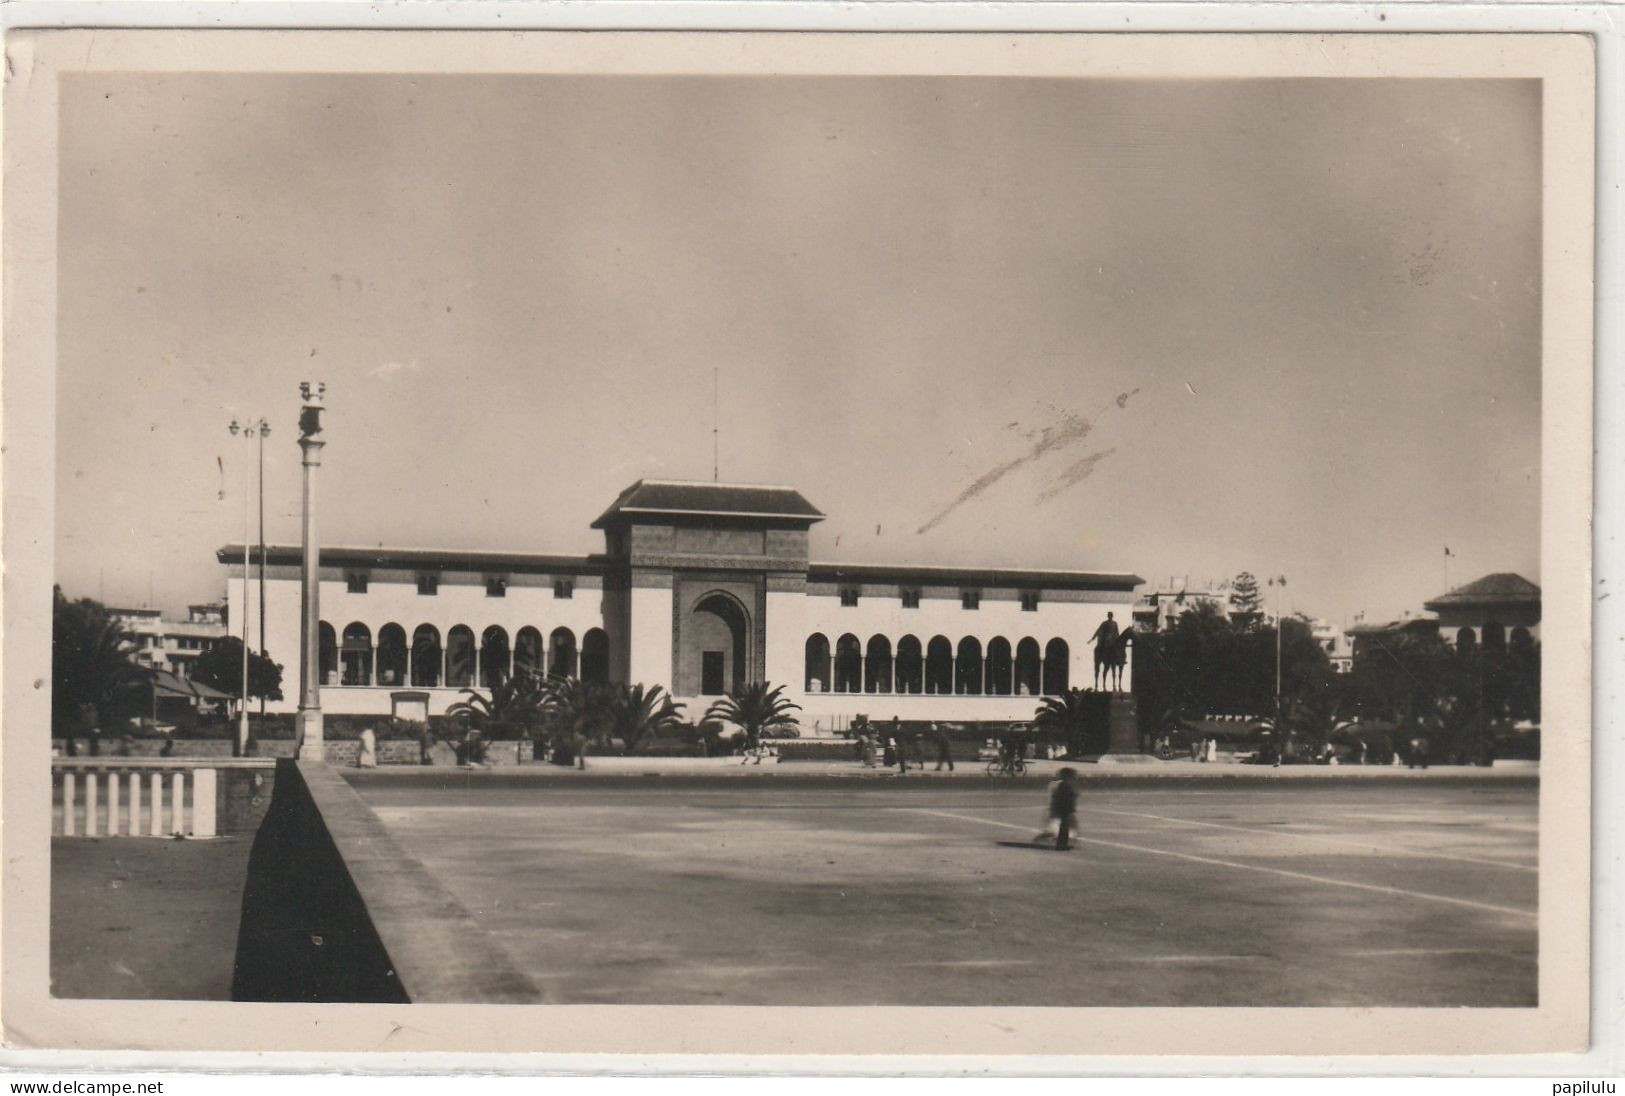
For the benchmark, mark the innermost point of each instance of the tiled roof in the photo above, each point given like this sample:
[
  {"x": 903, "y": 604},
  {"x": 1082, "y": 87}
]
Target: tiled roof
[
  {"x": 670, "y": 498},
  {"x": 1504, "y": 588}
]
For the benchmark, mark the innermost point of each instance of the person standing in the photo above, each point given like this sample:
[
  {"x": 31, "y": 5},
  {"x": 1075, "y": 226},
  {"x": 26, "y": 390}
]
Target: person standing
[
  {"x": 366, "y": 756},
  {"x": 1063, "y": 810},
  {"x": 899, "y": 747},
  {"x": 945, "y": 753}
]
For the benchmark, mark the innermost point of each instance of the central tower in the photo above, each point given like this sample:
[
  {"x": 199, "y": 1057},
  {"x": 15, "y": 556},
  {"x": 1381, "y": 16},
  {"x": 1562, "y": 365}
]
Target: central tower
[{"x": 694, "y": 569}]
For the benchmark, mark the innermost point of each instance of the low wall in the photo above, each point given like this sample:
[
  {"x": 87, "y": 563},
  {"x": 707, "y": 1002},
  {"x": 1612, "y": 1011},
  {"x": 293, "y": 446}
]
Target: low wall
[
  {"x": 338, "y": 751},
  {"x": 335, "y": 911},
  {"x": 92, "y": 796}
]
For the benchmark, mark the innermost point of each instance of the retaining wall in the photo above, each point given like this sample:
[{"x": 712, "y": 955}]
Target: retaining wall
[{"x": 335, "y": 911}]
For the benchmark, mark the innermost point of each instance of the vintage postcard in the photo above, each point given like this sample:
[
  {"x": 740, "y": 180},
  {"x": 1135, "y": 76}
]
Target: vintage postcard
[{"x": 766, "y": 543}]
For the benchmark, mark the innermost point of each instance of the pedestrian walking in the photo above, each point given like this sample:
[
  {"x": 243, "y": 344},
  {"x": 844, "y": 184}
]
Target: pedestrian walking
[
  {"x": 1063, "y": 810},
  {"x": 945, "y": 753},
  {"x": 366, "y": 757},
  {"x": 899, "y": 747}
]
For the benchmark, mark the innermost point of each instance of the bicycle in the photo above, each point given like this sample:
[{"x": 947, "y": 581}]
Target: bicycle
[{"x": 1012, "y": 767}]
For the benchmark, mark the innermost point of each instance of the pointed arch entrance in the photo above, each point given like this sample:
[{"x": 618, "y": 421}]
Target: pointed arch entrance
[{"x": 716, "y": 654}]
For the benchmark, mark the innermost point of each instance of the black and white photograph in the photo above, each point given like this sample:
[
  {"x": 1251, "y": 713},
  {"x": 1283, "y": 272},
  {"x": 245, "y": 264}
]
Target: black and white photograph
[{"x": 1017, "y": 524}]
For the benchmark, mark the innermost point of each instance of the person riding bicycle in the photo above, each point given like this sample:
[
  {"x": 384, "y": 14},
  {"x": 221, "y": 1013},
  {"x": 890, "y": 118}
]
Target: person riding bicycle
[{"x": 1015, "y": 747}]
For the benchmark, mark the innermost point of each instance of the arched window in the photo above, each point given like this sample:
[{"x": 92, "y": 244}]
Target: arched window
[
  {"x": 818, "y": 680},
  {"x": 939, "y": 666},
  {"x": 1465, "y": 640},
  {"x": 426, "y": 656},
  {"x": 1495, "y": 636},
  {"x": 968, "y": 667},
  {"x": 998, "y": 666},
  {"x": 493, "y": 657},
  {"x": 1029, "y": 669},
  {"x": 563, "y": 642},
  {"x": 328, "y": 656},
  {"x": 355, "y": 655},
  {"x": 460, "y": 657},
  {"x": 527, "y": 651},
  {"x": 877, "y": 666},
  {"x": 1521, "y": 642},
  {"x": 392, "y": 655},
  {"x": 595, "y": 657},
  {"x": 1057, "y": 668},
  {"x": 848, "y": 664},
  {"x": 910, "y": 666}
]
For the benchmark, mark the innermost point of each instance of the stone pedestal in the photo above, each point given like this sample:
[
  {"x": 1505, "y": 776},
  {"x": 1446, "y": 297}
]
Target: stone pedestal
[
  {"x": 1125, "y": 725},
  {"x": 308, "y": 735}
]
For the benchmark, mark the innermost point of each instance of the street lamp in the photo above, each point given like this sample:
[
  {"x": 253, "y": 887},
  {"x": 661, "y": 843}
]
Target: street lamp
[
  {"x": 1278, "y": 583},
  {"x": 257, "y": 430},
  {"x": 308, "y": 736}
]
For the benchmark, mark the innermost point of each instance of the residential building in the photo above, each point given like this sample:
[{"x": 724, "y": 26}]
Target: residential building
[{"x": 171, "y": 645}]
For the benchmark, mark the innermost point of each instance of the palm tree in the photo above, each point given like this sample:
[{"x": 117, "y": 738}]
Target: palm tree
[
  {"x": 519, "y": 701},
  {"x": 636, "y": 712},
  {"x": 755, "y": 708},
  {"x": 1067, "y": 714},
  {"x": 577, "y": 712},
  {"x": 90, "y": 663}
]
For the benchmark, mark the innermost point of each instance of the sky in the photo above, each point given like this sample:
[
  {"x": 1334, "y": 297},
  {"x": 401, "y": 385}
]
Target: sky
[{"x": 1173, "y": 327}]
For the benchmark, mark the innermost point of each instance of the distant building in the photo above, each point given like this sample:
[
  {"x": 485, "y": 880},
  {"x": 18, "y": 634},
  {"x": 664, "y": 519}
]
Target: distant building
[
  {"x": 1495, "y": 610},
  {"x": 1337, "y": 645},
  {"x": 171, "y": 645},
  {"x": 1160, "y": 609},
  {"x": 702, "y": 587}
]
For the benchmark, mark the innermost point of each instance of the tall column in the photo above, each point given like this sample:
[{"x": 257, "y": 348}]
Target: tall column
[{"x": 309, "y": 734}]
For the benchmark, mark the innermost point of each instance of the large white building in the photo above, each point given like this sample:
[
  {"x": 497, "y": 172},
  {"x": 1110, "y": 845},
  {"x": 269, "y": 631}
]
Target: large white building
[{"x": 701, "y": 587}]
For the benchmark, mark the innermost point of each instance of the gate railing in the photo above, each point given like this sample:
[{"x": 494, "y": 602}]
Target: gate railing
[{"x": 131, "y": 797}]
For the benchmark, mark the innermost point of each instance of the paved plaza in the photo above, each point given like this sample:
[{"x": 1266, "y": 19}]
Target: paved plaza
[{"x": 698, "y": 889}]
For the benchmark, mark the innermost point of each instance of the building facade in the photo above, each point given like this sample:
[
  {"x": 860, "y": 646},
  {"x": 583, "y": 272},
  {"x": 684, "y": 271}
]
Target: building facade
[
  {"x": 701, "y": 588},
  {"x": 1494, "y": 611},
  {"x": 1159, "y": 610},
  {"x": 171, "y": 645},
  {"x": 1499, "y": 611}
]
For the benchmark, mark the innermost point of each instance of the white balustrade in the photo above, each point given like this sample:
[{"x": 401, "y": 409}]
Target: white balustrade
[{"x": 100, "y": 798}]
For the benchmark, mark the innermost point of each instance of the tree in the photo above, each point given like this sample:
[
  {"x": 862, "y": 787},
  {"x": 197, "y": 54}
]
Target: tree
[
  {"x": 517, "y": 704},
  {"x": 755, "y": 709},
  {"x": 221, "y": 667},
  {"x": 636, "y": 713},
  {"x": 576, "y": 713},
  {"x": 1069, "y": 715},
  {"x": 90, "y": 665},
  {"x": 1206, "y": 664},
  {"x": 1246, "y": 603}
]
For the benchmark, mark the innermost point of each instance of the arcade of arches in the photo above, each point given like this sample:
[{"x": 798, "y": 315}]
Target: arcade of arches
[
  {"x": 938, "y": 667},
  {"x": 459, "y": 659}
]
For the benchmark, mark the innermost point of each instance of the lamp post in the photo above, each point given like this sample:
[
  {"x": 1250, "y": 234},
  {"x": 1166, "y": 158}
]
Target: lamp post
[
  {"x": 308, "y": 736},
  {"x": 256, "y": 431},
  {"x": 1279, "y": 583}
]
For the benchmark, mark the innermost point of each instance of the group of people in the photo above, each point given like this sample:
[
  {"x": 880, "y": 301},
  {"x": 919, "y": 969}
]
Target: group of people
[{"x": 901, "y": 746}]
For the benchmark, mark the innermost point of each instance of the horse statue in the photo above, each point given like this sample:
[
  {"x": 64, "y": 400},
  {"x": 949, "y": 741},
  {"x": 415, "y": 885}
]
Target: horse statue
[{"x": 1111, "y": 655}]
